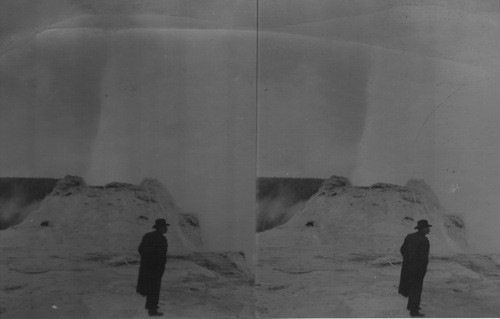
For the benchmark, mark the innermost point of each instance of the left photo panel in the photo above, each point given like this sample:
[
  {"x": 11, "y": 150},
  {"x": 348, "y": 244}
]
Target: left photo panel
[{"x": 127, "y": 158}]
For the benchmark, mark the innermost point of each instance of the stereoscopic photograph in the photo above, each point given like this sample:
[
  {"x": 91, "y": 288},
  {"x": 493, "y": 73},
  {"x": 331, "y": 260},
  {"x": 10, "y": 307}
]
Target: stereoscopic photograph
[{"x": 249, "y": 158}]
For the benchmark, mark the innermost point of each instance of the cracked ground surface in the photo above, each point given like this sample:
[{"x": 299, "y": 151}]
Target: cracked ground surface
[{"x": 317, "y": 281}]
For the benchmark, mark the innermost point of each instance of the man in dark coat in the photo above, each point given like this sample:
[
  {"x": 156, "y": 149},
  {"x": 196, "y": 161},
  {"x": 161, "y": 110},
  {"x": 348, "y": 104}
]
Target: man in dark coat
[
  {"x": 153, "y": 250},
  {"x": 415, "y": 251}
]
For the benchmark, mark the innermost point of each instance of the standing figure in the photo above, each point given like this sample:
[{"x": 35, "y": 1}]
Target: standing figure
[
  {"x": 415, "y": 251},
  {"x": 153, "y": 250}
]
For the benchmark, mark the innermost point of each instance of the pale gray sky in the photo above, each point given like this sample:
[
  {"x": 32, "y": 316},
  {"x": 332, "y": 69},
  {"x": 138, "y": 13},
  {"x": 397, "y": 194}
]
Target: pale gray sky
[
  {"x": 121, "y": 91},
  {"x": 167, "y": 89},
  {"x": 385, "y": 91}
]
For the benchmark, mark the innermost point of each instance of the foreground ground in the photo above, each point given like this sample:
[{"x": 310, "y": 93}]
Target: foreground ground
[
  {"x": 315, "y": 281},
  {"x": 102, "y": 285}
]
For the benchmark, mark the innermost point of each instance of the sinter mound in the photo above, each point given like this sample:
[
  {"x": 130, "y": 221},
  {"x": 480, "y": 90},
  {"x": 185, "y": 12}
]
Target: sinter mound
[
  {"x": 375, "y": 218},
  {"x": 113, "y": 217}
]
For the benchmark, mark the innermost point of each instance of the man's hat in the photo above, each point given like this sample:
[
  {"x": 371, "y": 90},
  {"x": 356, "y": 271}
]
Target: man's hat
[
  {"x": 161, "y": 222},
  {"x": 423, "y": 223}
]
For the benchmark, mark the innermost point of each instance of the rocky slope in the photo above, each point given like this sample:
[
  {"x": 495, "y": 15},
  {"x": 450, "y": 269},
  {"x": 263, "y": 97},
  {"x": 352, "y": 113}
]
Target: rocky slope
[
  {"x": 369, "y": 218},
  {"x": 113, "y": 217}
]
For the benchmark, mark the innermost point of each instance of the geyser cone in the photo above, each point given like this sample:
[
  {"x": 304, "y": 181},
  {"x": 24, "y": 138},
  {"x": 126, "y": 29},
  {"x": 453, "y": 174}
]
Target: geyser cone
[
  {"x": 113, "y": 217},
  {"x": 370, "y": 218}
]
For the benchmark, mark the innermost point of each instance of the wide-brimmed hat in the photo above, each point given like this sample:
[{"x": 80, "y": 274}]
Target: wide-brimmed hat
[
  {"x": 161, "y": 222},
  {"x": 423, "y": 223}
]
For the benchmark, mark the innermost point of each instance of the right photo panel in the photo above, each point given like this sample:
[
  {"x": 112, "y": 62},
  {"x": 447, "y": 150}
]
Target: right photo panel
[{"x": 378, "y": 158}]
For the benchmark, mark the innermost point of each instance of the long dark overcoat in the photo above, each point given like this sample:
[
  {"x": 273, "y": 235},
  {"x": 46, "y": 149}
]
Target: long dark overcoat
[
  {"x": 415, "y": 251},
  {"x": 153, "y": 251}
]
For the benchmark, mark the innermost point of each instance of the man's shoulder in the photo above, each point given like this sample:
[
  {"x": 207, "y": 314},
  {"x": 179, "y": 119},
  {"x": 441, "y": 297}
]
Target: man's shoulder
[
  {"x": 148, "y": 235},
  {"x": 412, "y": 235},
  {"x": 417, "y": 236},
  {"x": 153, "y": 235}
]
